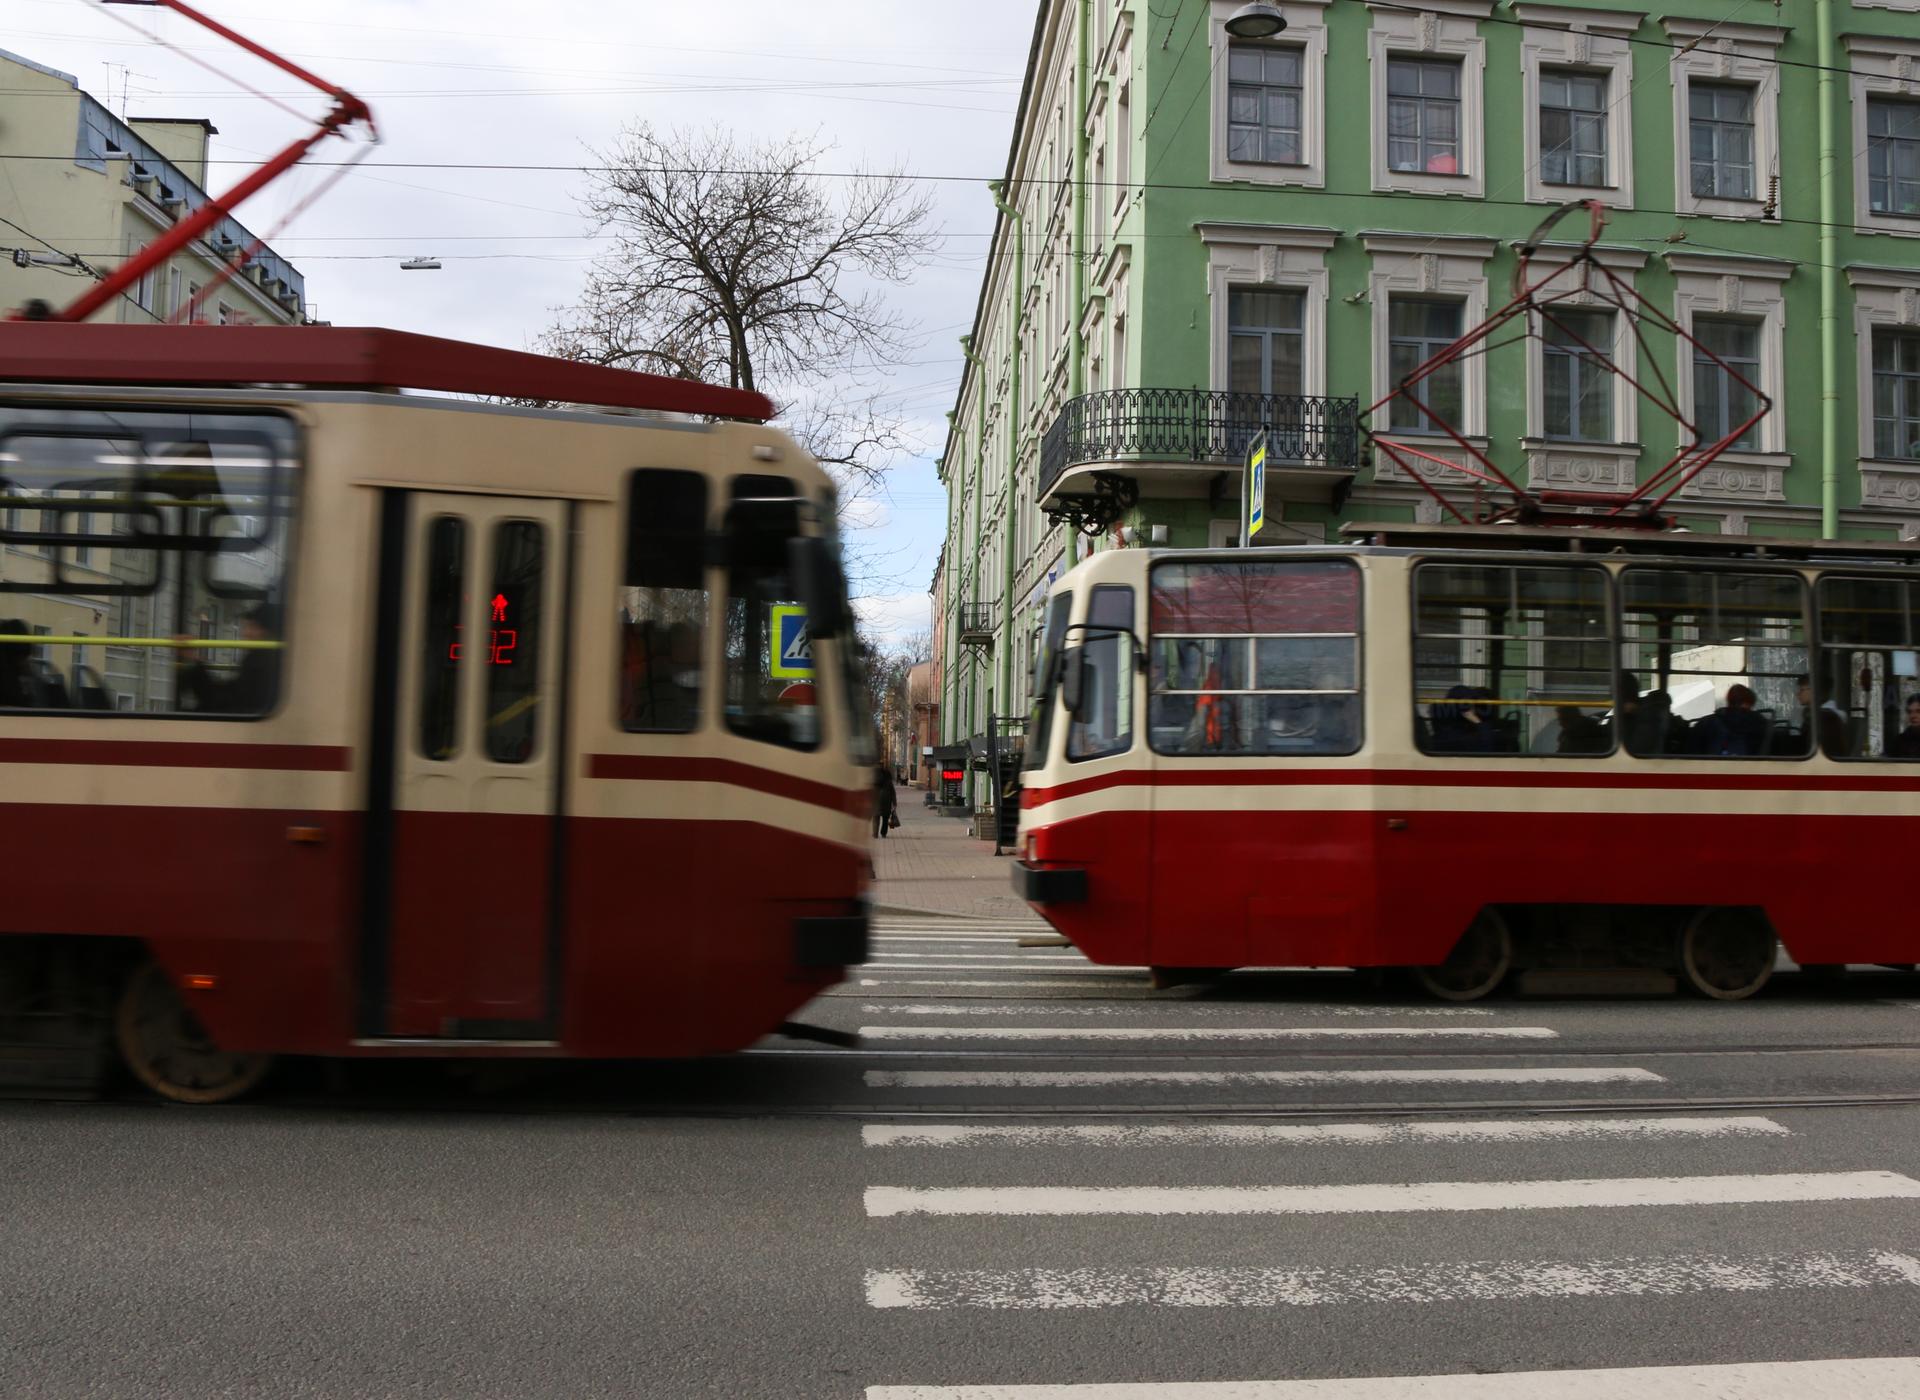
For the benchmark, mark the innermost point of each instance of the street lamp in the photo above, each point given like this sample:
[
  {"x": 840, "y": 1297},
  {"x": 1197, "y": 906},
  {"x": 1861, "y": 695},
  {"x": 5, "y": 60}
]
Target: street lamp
[{"x": 1255, "y": 21}]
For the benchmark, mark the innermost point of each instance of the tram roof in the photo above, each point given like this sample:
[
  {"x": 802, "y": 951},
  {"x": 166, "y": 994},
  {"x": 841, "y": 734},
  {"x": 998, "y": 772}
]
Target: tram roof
[
  {"x": 341, "y": 357},
  {"x": 1669, "y": 543}
]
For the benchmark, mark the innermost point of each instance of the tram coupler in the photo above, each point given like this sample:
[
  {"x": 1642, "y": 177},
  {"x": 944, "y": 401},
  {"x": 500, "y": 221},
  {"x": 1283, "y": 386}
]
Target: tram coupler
[{"x": 800, "y": 1030}]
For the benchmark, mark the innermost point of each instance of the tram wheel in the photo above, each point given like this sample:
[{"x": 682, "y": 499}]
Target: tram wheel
[
  {"x": 1478, "y": 963},
  {"x": 1727, "y": 954},
  {"x": 169, "y": 1051}
]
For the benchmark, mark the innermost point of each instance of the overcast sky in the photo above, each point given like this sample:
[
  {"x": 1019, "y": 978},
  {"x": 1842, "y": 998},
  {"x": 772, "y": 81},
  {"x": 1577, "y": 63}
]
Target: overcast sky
[{"x": 455, "y": 82}]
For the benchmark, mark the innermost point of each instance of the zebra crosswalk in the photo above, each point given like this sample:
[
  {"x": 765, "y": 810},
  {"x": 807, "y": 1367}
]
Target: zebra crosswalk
[
  {"x": 951, "y": 955},
  {"x": 1499, "y": 1223}
]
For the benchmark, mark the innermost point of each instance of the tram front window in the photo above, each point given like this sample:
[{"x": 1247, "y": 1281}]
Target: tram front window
[
  {"x": 143, "y": 557},
  {"x": 1255, "y": 658},
  {"x": 1045, "y": 681},
  {"x": 1104, "y": 725},
  {"x": 770, "y": 682}
]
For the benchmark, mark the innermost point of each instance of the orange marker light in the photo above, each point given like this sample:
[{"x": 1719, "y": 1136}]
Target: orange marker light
[{"x": 199, "y": 981}]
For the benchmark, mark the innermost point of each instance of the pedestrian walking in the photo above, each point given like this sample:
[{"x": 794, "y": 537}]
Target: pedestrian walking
[{"x": 883, "y": 801}]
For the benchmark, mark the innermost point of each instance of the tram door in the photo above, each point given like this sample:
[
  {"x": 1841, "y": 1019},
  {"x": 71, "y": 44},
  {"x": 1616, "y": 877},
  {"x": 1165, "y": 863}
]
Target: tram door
[{"x": 475, "y": 767}]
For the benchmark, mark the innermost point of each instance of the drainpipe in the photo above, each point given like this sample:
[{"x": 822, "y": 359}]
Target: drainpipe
[
  {"x": 1082, "y": 91},
  {"x": 998, "y": 190},
  {"x": 947, "y": 618},
  {"x": 1829, "y": 277}
]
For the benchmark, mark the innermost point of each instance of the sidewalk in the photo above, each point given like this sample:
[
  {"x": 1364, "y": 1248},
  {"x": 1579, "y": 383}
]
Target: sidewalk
[{"x": 931, "y": 866}]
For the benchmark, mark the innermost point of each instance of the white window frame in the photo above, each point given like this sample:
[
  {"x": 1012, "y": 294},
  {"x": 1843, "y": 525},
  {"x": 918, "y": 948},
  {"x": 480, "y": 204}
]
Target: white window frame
[
  {"x": 1754, "y": 288},
  {"x": 1911, "y": 7},
  {"x": 1269, "y": 255},
  {"x": 1562, "y": 464},
  {"x": 1122, "y": 136},
  {"x": 1882, "y": 66},
  {"x": 1306, "y": 31},
  {"x": 1432, "y": 267},
  {"x": 1448, "y": 29},
  {"x": 1884, "y": 298},
  {"x": 1563, "y": 36},
  {"x": 1745, "y": 54}
]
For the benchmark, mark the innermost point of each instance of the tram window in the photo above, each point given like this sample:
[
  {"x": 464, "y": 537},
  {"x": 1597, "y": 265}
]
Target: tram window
[
  {"x": 148, "y": 551},
  {"x": 1059, "y": 608},
  {"x": 1512, "y": 660},
  {"x": 1865, "y": 692},
  {"x": 770, "y": 684},
  {"x": 1255, "y": 658},
  {"x": 446, "y": 586},
  {"x": 516, "y": 596},
  {"x": 1105, "y": 726},
  {"x": 663, "y": 602},
  {"x": 1711, "y": 663}
]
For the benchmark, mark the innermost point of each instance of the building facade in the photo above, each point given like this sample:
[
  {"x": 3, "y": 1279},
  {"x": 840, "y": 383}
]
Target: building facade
[
  {"x": 87, "y": 190},
  {"x": 1200, "y": 235}
]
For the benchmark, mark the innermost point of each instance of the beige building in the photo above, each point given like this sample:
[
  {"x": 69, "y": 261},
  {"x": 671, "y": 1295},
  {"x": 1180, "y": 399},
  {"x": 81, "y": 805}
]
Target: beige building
[{"x": 125, "y": 183}]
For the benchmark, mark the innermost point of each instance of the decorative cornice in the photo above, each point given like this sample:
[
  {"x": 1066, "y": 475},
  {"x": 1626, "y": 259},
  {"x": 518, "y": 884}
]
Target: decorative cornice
[
  {"x": 1611, "y": 255},
  {"x": 1686, "y": 30},
  {"x": 1275, "y": 235},
  {"x": 1460, "y": 245},
  {"x": 1880, "y": 44},
  {"x": 1461, "y": 9},
  {"x": 1871, "y": 275},
  {"x": 1578, "y": 17},
  {"x": 1729, "y": 265}
]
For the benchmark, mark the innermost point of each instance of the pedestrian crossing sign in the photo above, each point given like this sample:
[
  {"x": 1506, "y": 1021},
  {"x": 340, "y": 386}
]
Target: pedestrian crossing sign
[
  {"x": 1256, "y": 485},
  {"x": 792, "y": 647}
]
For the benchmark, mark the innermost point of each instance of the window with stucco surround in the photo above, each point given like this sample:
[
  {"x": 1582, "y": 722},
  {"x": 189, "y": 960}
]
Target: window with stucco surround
[
  {"x": 1268, "y": 257},
  {"x": 1736, "y": 304},
  {"x": 1722, "y": 74},
  {"x": 1885, "y": 91},
  {"x": 1438, "y": 80},
  {"x": 1583, "y": 422},
  {"x": 1886, "y": 323},
  {"x": 1269, "y": 99},
  {"x": 1409, "y": 270},
  {"x": 1909, "y": 6},
  {"x": 1576, "y": 68}
]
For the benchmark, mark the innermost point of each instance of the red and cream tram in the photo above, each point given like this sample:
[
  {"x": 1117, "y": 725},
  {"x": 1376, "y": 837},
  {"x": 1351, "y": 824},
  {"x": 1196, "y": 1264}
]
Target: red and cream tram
[
  {"x": 339, "y": 720},
  {"x": 1469, "y": 752}
]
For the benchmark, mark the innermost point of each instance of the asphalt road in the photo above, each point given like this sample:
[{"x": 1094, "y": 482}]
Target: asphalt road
[{"x": 1036, "y": 1181}]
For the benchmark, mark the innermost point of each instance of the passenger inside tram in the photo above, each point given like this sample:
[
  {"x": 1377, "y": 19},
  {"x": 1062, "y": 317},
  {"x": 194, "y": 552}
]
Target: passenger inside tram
[
  {"x": 1906, "y": 744},
  {"x": 17, "y": 687},
  {"x": 250, "y": 690},
  {"x": 1735, "y": 730}
]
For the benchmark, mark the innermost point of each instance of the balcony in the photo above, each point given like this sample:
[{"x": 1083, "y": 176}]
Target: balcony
[
  {"x": 976, "y": 624},
  {"x": 1157, "y": 437}
]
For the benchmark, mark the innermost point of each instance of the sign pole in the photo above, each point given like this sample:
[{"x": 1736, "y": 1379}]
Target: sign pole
[{"x": 1253, "y": 489}]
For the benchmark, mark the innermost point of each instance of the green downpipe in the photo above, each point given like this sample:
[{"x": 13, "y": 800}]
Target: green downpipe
[
  {"x": 950, "y": 645},
  {"x": 1082, "y": 94},
  {"x": 998, "y": 190},
  {"x": 1829, "y": 277},
  {"x": 979, "y": 462}
]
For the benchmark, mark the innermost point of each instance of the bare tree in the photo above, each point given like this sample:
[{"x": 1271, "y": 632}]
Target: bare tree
[{"x": 732, "y": 261}]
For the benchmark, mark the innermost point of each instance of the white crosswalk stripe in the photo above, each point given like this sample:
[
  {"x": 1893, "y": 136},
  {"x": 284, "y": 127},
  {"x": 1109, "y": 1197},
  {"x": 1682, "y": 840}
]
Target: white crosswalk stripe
[
  {"x": 1087, "y": 1078},
  {"x": 1392, "y": 1198},
  {"x": 1505, "y": 1131},
  {"x": 1455, "y": 1281},
  {"x": 1222, "y": 1033},
  {"x": 1869, "y": 1378},
  {"x": 1112, "y": 1009}
]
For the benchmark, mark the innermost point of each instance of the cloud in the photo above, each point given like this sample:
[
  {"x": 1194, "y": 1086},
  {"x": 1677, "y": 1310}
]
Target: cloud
[{"x": 892, "y": 616}]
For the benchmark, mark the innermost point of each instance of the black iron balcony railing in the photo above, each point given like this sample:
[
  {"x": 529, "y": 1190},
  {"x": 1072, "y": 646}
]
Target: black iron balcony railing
[
  {"x": 1200, "y": 425},
  {"x": 976, "y": 619}
]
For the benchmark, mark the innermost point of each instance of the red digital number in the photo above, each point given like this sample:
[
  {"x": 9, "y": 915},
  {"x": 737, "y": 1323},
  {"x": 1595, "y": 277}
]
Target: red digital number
[{"x": 503, "y": 640}]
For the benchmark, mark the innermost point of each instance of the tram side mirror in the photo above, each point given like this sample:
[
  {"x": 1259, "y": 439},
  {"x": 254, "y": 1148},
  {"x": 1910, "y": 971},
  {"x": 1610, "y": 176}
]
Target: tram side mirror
[
  {"x": 816, "y": 575},
  {"x": 1073, "y": 680}
]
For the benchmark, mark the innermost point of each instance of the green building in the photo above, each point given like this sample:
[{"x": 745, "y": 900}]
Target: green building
[{"x": 1200, "y": 233}]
